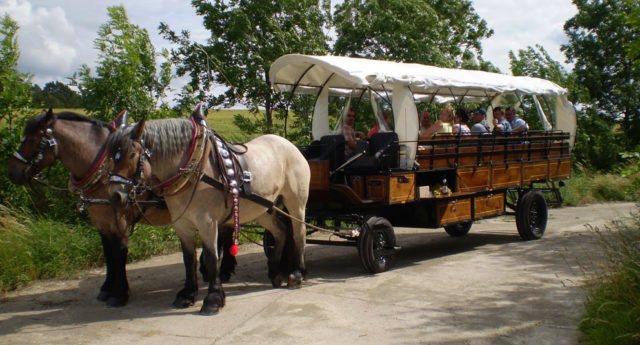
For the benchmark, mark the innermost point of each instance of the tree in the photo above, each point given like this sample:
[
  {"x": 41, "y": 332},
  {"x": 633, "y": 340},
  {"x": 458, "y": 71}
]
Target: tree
[
  {"x": 434, "y": 32},
  {"x": 634, "y": 47},
  {"x": 15, "y": 88},
  {"x": 598, "y": 41},
  {"x": 246, "y": 37},
  {"x": 56, "y": 95},
  {"x": 126, "y": 76},
  {"x": 595, "y": 138}
]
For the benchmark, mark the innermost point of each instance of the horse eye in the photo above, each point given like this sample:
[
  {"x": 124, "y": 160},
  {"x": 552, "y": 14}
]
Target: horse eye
[{"x": 117, "y": 156}]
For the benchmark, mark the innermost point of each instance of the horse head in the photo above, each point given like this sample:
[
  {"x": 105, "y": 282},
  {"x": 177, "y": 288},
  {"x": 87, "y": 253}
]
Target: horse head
[
  {"x": 37, "y": 150},
  {"x": 129, "y": 166}
]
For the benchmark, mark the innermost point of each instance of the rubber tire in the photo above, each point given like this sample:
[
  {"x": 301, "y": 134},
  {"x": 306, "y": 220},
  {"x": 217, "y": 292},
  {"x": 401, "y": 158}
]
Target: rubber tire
[
  {"x": 458, "y": 229},
  {"x": 531, "y": 215},
  {"x": 376, "y": 244}
]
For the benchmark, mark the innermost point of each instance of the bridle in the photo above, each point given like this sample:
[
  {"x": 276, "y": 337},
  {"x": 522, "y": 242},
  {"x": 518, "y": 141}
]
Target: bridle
[
  {"x": 47, "y": 140},
  {"x": 136, "y": 184}
]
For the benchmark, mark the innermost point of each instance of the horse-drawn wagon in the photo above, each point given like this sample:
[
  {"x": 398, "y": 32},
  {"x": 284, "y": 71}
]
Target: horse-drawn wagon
[{"x": 400, "y": 179}]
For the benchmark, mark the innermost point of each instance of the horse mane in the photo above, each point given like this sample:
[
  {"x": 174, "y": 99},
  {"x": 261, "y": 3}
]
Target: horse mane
[
  {"x": 164, "y": 137},
  {"x": 34, "y": 123}
]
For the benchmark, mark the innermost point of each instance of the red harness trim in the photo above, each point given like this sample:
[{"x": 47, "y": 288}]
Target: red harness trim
[
  {"x": 93, "y": 170},
  {"x": 193, "y": 145}
]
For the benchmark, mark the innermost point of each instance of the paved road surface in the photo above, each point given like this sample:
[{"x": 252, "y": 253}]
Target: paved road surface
[{"x": 486, "y": 288}]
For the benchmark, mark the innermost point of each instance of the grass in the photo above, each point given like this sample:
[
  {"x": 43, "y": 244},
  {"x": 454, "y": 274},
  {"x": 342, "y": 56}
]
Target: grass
[
  {"x": 39, "y": 248},
  {"x": 612, "y": 313},
  {"x": 588, "y": 187}
]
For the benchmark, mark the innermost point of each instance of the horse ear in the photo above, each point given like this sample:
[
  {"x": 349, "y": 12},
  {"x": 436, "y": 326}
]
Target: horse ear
[
  {"x": 122, "y": 120},
  {"x": 198, "y": 115},
  {"x": 48, "y": 118},
  {"x": 136, "y": 134}
]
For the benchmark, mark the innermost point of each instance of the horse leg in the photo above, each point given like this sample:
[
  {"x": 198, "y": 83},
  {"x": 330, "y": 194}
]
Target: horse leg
[
  {"x": 274, "y": 262},
  {"x": 295, "y": 248},
  {"x": 229, "y": 262},
  {"x": 118, "y": 293},
  {"x": 187, "y": 296},
  {"x": 106, "y": 286},
  {"x": 215, "y": 298}
]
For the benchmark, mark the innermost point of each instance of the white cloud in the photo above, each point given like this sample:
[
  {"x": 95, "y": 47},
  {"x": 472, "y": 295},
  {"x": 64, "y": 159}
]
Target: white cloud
[{"x": 523, "y": 23}]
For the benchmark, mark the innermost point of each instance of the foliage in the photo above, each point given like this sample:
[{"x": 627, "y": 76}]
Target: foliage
[
  {"x": 56, "y": 95},
  {"x": 35, "y": 248},
  {"x": 441, "y": 33},
  {"x": 598, "y": 41},
  {"x": 613, "y": 305},
  {"x": 246, "y": 37},
  {"x": 587, "y": 187},
  {"x": 633, "y": 50},
  {"x": 126, "y": 76},
  {"x": 15, "y": 89}
]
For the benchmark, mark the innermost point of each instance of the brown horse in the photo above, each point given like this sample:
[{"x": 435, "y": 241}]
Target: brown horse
[
  {"x": 195, "y": 174},
  {"x": 79, "y": 142}
]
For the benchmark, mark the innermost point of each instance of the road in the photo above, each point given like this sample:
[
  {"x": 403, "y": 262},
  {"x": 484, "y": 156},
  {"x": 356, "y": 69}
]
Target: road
[{"x": 488, "y": 287}]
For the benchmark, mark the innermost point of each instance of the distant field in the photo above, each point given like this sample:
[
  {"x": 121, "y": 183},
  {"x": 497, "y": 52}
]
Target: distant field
[{"x": 219, "y": 120}]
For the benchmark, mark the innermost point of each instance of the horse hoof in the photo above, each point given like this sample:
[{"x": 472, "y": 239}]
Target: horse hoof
[
  {"x": 103, "y": 296},
  {"x": 207, "y": 311},
  {"x": 212, "y": 304},
  {"x": 182, "y": 303},
  {"x": 295, "y": 280},
  {"x": 116, "y": 302},
  {"x": 276, "y": 281}
]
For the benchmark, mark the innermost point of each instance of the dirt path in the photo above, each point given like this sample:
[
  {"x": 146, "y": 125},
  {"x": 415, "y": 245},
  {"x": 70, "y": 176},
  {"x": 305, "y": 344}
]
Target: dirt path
[{"x": 485, "y": 288}]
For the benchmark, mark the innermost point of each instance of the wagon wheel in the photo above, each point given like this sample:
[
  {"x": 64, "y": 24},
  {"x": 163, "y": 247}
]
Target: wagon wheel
[
  {"x": 458, "y": 229},
  {"x": 376, "y": 244},
  {"x": 531, "y": 215}
]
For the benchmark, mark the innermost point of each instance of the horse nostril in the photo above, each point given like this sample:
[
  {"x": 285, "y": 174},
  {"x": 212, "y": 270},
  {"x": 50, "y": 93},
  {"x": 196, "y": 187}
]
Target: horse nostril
[{"x": 118, "y": 199}]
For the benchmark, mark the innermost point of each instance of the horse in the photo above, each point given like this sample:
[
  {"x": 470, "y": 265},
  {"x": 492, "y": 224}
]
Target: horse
[
  {"x": 79, "y": 142},
  {"x": 190, "y": 166}
]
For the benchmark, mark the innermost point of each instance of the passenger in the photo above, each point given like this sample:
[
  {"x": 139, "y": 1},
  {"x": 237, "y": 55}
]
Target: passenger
[
  {"x": 461, "y": 127},
  {"x": 500, "y": 124},
  {"x": 375, "y": 129},
  {"x": 445, "y": 123},
  {"x": 350, "y": 134},
  {"x": 517, "y": 124},
  {"x": 480, "y": 124},
  {"x": 425, "y": 122}
]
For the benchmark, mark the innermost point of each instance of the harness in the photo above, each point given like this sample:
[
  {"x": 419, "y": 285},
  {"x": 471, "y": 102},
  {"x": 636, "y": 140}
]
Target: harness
[
  {"x": 46, "y": 140},
  {"x": 234, "y": 178}
]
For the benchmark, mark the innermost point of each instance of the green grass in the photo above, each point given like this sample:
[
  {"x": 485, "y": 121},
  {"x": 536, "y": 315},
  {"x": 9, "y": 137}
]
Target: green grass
[
  {"x": 587, "y": 188},
  {"x": 38, "y": 248},
  {"x": 612, "y": 313}
]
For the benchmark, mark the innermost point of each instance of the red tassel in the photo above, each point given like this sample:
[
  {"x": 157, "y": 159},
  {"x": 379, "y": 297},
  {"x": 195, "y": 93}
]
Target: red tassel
[{"x": 233, "y": 250}]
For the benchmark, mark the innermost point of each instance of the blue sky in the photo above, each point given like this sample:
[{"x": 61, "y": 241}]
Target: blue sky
[{"x": 56, "y": 36}]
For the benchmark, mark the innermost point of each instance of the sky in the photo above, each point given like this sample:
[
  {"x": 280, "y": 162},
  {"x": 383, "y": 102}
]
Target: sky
[{"x": 56, "y": 36}]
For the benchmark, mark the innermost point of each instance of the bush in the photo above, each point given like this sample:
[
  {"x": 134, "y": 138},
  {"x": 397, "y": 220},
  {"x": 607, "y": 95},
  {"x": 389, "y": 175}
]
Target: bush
[{"x": 613, "y": 304}]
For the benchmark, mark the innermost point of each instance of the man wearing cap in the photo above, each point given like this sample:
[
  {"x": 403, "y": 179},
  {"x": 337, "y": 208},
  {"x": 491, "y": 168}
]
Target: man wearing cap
[{"x": 480, "y": 125}]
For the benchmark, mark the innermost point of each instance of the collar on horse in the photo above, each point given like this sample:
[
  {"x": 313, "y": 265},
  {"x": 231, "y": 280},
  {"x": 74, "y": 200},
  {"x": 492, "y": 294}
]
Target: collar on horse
[
  {"x": 190, "y": 169},
  {"x": 99, "y": 172}
]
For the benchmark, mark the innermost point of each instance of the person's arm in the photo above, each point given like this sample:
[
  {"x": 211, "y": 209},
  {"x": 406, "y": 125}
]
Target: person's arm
[{"x": 429, "y": 132}]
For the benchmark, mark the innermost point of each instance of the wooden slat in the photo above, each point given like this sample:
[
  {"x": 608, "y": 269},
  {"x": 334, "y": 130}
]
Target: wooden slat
[
  {"x": 473, "y": 179},
  {"x": 488, "y": 205},
  {"x": 402, "y": 188}
]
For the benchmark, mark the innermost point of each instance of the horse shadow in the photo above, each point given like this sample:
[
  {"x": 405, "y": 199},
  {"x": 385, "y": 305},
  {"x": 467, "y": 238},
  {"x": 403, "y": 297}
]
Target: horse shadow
[{"x": 153, "y": 287}]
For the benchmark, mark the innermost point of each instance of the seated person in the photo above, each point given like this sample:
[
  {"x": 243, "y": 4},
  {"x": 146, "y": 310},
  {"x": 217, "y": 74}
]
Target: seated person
[
  {"x": 480, "y": 124},
  {"x": 500, "y": 124},
  {"x": 461, "y": 126},
  {"x": 350, "y": 135},
  {"x": 444, "y": 125},
  {"x": 518, "y": 125},
  {"x": 425, "y": 122},
  {"x": 375, "y": 129}
]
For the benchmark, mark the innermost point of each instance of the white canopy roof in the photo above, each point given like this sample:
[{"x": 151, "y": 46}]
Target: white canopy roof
[{"x": 312, "y": 72}]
